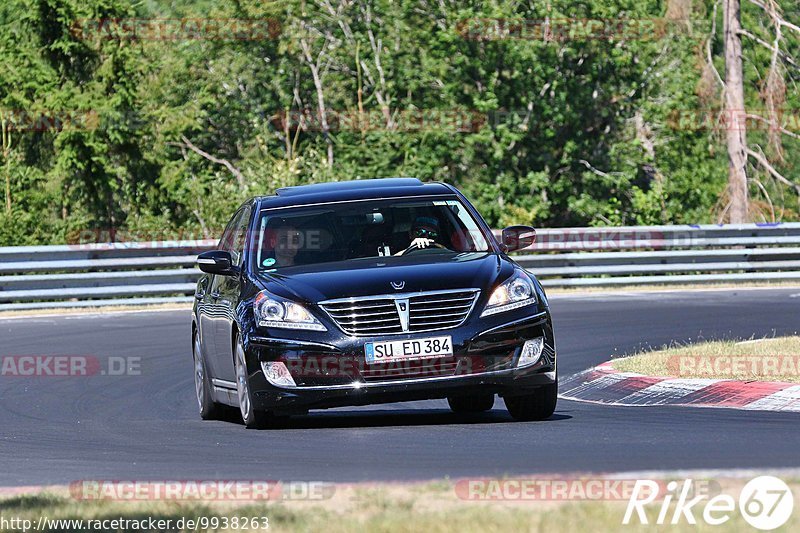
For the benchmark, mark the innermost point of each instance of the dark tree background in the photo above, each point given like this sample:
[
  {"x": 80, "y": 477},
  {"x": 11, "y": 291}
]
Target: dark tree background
[{"x": 597, "y": 112}]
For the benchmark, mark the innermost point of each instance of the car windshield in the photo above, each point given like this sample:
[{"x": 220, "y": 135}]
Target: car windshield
[{"x": 359, "y": 230}]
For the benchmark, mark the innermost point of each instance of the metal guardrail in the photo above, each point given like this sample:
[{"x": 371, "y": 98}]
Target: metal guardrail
[{"x": 88, "y": 275}]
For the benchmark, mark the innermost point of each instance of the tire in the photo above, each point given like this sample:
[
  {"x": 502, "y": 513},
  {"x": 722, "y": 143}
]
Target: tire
[
  {"x": 209, "y": 409},
  {"x": 538, "y": 405},
  {"x": 477, "y": 403},
  {"x": 252, "y": 418}
]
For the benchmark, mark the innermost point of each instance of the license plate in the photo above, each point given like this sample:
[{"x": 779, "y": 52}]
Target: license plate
[{"x": 388, "y": 351}]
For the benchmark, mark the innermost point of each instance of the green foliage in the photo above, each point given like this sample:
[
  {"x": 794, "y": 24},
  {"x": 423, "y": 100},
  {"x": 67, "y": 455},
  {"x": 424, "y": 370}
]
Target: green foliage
[{"x": 572, "y": 131}]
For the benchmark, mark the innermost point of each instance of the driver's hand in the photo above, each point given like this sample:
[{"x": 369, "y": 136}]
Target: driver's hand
[{"x": 421, "y": 242}]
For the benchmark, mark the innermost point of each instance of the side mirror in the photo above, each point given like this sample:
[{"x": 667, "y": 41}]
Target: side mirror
[
  {"x": 517, "y": 237},
  {"x": 216, "y": 262}
]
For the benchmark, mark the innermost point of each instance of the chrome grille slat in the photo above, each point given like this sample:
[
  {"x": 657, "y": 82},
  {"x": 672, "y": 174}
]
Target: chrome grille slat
[
  {"x": 357, "y": 316},
  {"x": 350, "y": 315},
  {"x": 463, "y": 307},
  {"x": 449, "y": 323},
  {"x": 390, "y": 304},
  {"x": 389, "y": 327},
  {"x": 370, "y": 321},
  {"x": 439, "y": 315},
  {"x": 460, "y": 306},
  {"x": 421, "y": 320},
  {"x": 468, "y": 300}
]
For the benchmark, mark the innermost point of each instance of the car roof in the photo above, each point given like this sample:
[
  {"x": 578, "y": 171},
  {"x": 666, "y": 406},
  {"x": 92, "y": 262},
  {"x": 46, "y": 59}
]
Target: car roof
[{"x": 342, "y": 191}]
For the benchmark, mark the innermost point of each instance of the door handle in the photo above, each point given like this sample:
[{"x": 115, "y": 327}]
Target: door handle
[
  {"x": 199, "y": 295},
  {"x": 214, "y": 295}
]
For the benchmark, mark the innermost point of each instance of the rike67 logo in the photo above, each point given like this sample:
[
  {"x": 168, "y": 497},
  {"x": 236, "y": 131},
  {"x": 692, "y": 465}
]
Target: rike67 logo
[{"x": 765, "y": 503}]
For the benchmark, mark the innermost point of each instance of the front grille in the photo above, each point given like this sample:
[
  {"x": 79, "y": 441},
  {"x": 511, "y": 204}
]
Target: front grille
[{"x": 380, "y": 315}]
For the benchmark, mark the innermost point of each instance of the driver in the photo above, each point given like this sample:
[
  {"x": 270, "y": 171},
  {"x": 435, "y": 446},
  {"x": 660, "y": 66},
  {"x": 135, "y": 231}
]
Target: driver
[
  {"x": 284, "y": 242},
  {"x": 424, "y": 232}
]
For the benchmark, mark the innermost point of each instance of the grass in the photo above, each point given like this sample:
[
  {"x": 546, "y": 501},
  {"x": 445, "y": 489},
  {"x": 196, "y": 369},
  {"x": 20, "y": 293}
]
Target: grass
[
  {"x": 772, "y": 359},
  {"x": 432, "y": 507}
]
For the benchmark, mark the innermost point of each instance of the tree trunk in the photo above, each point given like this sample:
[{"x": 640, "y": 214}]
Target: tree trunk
[
  {"x": 8, "y": 188},
  {"x": 323, "y": 113},
  {"x": 5, "y": 130},
  {"x": 736, "y": 125}
]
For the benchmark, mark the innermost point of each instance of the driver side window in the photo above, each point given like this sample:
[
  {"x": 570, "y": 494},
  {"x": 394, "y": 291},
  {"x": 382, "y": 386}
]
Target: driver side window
[
  {"x": 240, "y": 235},
  {"x": 235, "y": 234},
  {"x": 226, "y": 241}
]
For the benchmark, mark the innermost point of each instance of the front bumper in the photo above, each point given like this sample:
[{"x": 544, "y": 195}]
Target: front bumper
[{"x": 330, "y": 370}]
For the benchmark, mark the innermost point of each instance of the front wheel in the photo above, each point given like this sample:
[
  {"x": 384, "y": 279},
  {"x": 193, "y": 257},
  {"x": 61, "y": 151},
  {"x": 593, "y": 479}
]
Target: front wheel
[
  {"x": 209, "y": 409},
  {"x": 537, "y": 405},
  {"x": 252, "y": 418}
]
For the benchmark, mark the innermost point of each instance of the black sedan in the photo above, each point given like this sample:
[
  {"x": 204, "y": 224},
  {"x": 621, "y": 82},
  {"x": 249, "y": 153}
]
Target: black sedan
[{"x": 365, "y": 292}]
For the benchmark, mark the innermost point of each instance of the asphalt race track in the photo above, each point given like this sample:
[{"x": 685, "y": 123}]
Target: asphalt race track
[{"x": 55, "y": 430}]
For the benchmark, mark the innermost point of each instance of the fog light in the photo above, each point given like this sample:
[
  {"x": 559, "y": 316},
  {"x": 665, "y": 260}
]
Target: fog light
[
  {"x": 277, "y": 374},
  {"x": 531, "y": 352}
]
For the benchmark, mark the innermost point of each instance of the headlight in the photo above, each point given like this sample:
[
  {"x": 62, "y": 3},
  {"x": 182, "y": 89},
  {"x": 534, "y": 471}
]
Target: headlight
[
  {"x": 274, "y": 312},
  {"x": 515, "y": 292}
]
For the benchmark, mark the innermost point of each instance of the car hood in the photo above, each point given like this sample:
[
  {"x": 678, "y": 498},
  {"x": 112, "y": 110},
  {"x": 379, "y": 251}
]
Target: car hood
[{"x": 374, "y": 276}]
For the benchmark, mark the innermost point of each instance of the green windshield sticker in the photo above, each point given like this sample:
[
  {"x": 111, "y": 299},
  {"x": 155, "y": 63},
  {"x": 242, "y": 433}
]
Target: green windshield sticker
[{"x": 268, "y": 262}]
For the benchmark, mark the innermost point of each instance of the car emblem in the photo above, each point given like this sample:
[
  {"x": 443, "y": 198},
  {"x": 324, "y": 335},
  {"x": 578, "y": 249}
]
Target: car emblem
[
  {"x": 398, "y": 284},
  {"x": 402, "y": 312}
]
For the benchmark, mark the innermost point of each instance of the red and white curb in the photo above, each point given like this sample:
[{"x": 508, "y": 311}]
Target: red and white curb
[{"x": 604, "y": 384}]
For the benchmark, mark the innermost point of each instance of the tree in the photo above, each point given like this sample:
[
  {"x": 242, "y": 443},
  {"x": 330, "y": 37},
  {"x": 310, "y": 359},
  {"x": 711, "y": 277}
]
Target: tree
[
  {"x": 553, "y": 114},
  {"x": 737, "y": 114},
  {"x": 5, "y": 137},
  {"x": 736, "y": 127}
]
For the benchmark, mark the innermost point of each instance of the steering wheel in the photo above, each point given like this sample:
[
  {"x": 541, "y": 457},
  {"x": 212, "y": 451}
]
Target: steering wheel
[{"x": 414, "y": 248}]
